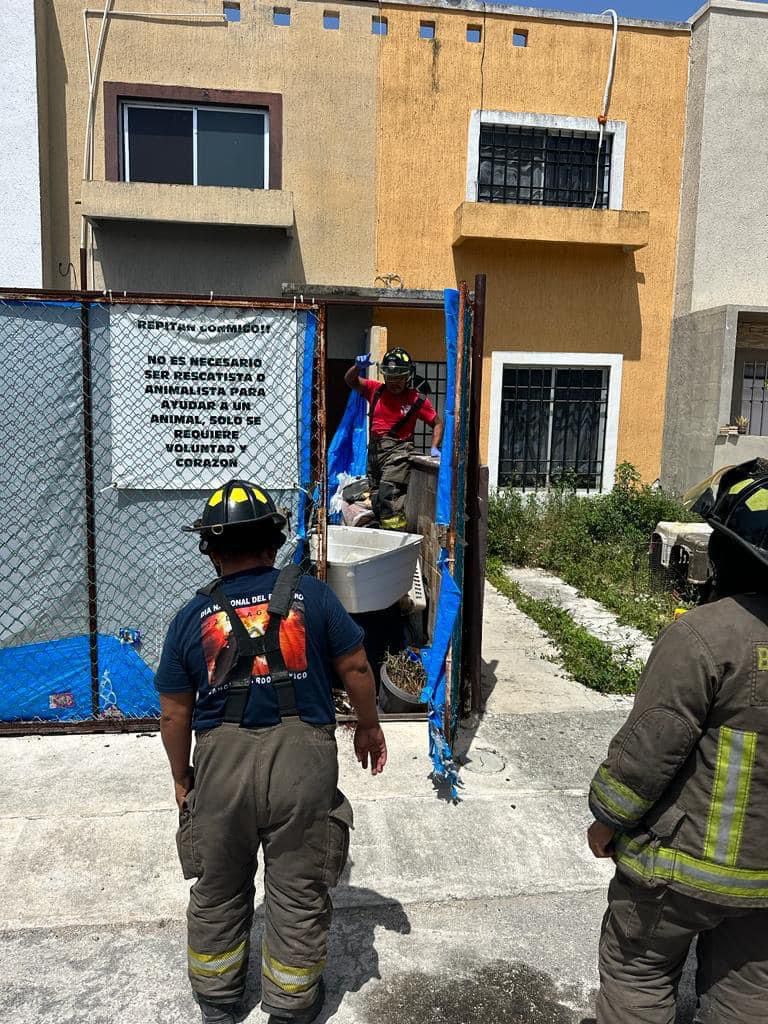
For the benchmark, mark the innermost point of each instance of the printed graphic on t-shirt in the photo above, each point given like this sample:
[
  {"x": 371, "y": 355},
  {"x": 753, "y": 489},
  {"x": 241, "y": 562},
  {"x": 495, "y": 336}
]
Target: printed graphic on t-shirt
[{"x": 216, "y": 633}]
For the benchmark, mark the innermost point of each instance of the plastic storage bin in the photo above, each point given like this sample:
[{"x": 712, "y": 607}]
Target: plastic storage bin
[{"x": 370, "y": 569}]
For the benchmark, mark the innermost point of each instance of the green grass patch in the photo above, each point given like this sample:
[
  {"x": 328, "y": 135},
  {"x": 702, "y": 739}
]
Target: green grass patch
[
  {"x": 590, "y": 661},
  {"x": 598, "y": 544}
]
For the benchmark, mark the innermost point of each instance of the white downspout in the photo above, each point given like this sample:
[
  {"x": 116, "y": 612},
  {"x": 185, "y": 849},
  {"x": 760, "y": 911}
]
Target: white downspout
[
  {"x": 603, "y": 117},
  {"x": 93, "y": 76}
]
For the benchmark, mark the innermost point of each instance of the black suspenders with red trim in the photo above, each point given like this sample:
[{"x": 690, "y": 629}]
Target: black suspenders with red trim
[
  {"x": 239, "y": 666},
  {"x": 403, "y": 421}
]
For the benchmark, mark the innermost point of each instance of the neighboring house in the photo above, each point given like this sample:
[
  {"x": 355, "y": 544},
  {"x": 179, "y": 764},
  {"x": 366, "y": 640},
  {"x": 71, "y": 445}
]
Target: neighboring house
[
  {"x": 328, "y": 148},
  {"x": 21, "y": 255},
  {"x": 719, "y": 354}
]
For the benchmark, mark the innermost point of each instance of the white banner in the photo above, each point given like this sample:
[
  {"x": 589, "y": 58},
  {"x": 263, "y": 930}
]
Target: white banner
[{"x": 201, "y": 394}]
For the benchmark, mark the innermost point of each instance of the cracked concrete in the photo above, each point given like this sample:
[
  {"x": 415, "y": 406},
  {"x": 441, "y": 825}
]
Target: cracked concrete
[{"x": 483, "y": 913}]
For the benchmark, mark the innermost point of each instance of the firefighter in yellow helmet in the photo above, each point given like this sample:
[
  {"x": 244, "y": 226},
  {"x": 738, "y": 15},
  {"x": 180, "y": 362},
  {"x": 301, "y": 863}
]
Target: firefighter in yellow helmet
[
  {"x": 248, "y": 666},
  {"x": 681, "y": 800}
]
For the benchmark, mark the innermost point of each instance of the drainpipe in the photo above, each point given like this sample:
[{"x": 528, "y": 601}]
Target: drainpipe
[
  {"x": 93, "y": 79},
  {"x": 603, "y": 117}
]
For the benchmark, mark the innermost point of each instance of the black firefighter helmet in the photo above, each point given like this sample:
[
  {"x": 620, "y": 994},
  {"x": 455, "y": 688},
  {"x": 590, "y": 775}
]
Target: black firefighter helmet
[
  {"x": 397, "y": 363},
  {"x": 734, "y": 501},
  {"x": 237, "y": 503}
]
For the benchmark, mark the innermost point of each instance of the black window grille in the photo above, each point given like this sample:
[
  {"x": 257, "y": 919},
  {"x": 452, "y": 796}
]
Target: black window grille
[
  {"x": 431, "y": 380},
  {"x": 553, "y": 424},
  {"x": 543, "y": 166},
  {"x": 754, "y": 398}
]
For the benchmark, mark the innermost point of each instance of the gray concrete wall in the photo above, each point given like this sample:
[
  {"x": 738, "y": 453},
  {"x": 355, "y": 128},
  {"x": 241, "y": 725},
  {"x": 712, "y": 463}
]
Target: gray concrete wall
[
  {"x": 699, "y": 386},
  {"x": 723, "y": 254},
  {"x": 20, "y": 227},
  {"x": 729, "y": 451}
]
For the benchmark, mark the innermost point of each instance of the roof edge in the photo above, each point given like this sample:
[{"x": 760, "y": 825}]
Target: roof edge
[
  {"x": 728, "y": 7},
  {"x": 540, "y": 14}
]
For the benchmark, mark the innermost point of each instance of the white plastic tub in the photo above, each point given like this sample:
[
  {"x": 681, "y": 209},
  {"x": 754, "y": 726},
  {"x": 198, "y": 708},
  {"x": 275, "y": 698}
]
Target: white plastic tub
[{"x": 370, "y": 569}]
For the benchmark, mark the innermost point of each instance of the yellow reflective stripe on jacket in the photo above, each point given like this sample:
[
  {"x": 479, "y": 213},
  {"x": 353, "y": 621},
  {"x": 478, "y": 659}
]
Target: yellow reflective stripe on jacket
[
  {"x": 290, "y": 979},
  {"x": 663, "y": 864},
  {"x": 621, "y": 801},
  {"x": 730, "y": 795},
  {"x": 212, "y": 965}
]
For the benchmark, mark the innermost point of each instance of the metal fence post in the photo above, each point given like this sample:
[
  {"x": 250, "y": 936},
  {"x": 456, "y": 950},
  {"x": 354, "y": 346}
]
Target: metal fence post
[{"x": 90, "y": 504}]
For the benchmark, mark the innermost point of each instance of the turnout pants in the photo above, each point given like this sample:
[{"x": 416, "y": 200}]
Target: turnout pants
[
  {"x": 389, "y": 470},
  {"x": 643, "y": 947},
  {"x": 273, "y": 788}
]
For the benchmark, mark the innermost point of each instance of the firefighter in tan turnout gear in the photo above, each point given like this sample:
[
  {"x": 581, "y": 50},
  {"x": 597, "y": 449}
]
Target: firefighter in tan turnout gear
[
  {"x": 681, "y": 801},
  {"x": 248, "y": 665}
]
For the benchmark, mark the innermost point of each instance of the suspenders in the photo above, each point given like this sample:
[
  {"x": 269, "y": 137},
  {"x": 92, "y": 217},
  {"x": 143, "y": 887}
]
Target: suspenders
[
  {"x": 395, "y": 430},
  {"x": 239, "y": 664}
]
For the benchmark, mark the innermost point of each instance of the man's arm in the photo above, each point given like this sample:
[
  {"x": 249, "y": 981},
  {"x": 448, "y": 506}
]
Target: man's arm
[
  {"x": 356, "y": 675},
  {"x": 673, "y": 700},
  {"x": 437, "y": 433},
  {"x": 352, "y": 376},
  {"x": 176, "y": 732}
]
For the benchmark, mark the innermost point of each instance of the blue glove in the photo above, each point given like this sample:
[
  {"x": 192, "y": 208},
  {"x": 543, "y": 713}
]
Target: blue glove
[
  {"x": 435, "y": 453},
  {"x": 363, "y": 362}
]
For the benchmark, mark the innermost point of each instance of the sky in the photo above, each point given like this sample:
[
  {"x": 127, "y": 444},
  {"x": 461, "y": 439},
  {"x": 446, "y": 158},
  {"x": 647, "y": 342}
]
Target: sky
[{"x": 655, "y": 10}]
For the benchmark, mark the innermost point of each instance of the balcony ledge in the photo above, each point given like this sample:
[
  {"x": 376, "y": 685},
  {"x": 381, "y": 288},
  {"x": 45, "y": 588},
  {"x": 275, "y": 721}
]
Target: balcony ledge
[
  {"x": 187, "y": 204},
  {"x": 622, "y": 229}
]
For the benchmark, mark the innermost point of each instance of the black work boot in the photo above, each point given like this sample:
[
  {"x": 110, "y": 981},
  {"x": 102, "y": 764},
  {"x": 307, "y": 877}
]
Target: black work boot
[
  {"x": 302, "y": 1016},
  {"x": 217, "y": 1013}
]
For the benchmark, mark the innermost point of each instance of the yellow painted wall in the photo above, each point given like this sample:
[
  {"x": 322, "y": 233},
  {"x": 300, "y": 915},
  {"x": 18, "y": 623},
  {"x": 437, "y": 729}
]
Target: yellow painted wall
[
  {"x": 540, "y": 297},
  {"x": 328, "y": 81}
]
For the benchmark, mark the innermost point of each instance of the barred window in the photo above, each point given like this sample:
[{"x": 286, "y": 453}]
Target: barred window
[
  {"x": 432, "y": 381},
  {"x": 553, "y": 426},
  {"x": 543, "y": 166}
]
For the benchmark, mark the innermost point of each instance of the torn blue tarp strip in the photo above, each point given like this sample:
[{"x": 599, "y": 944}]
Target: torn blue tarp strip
[
  {"x": 304, "y": 385},
  {"x": 348, "y": 451},
  {"x": 52, "y": 681},
  {"x": 434, "y": 693},
  {"x": 443, "y": 506},
  {"x": 42, "y": 302}
]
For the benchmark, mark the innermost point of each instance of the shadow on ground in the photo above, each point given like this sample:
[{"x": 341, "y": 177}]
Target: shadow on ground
[{"x": 353, "y": 959}]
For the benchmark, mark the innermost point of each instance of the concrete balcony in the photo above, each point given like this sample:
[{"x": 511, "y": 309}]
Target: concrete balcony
[
  {"x": 187, "y": 204},
  {"x": 510, "y": 222}
]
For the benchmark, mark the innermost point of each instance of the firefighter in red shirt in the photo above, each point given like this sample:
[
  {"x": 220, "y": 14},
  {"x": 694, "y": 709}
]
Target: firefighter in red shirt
[{"x": 395, "y": 408}]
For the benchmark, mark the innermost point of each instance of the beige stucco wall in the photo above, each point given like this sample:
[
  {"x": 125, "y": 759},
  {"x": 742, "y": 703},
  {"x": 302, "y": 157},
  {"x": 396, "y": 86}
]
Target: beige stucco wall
[
  {"x": 328, "y": 83},
  {"x": 558, "y": 298}
]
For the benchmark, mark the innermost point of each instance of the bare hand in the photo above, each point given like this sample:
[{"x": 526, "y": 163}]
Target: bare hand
[
  {"x": 371, "y": 742},
  {"x": 181, "y": 788},
  {"x": 600, "y": 839}
]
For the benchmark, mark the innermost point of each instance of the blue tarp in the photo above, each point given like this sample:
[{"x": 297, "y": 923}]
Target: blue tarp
[
  {"x": 305, "y": 441},
  {"x": 348, "y": 452},
  {"x": 52, "y": 681},
  {"x": 433, "y": 693},
  {"x": 443, "y": 508}
]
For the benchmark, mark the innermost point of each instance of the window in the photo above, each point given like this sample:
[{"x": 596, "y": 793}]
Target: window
[
  {"x": 331, "y": 20},
  {"x": 754, "y": 397},
  {"x": 427, "y": 29},
  {"x": 379, "y": 25},
  {"x": 432, "y": 380},
  {"x": 195, "y": 145},
  {"x": 543, "y": 166},
  {"x": 231, "y": 11},
  {"x": 281, "y": 16},
  {"x": 474, "y": 34},
  {"x": 520, "y": 38},
  {"x": 552, "y": 426}
]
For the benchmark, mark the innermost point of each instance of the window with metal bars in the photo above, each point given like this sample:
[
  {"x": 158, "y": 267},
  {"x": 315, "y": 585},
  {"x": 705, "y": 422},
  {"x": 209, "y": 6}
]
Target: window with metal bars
[
  {"x": 432, "y": 380},
  {"x": 553, "y": 425},
  {"x": 543, "y": 166},
  {"x": 754, "y": 397}
]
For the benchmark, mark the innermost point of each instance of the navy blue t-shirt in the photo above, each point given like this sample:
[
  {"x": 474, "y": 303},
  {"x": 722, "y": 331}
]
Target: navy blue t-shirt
[{"x": 316, "y": 630}]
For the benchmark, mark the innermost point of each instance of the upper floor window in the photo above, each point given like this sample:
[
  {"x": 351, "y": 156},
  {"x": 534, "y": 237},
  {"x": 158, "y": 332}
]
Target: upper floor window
[
  {"x": 185, "y": 144},
  {"x": 543, "y": 166}
]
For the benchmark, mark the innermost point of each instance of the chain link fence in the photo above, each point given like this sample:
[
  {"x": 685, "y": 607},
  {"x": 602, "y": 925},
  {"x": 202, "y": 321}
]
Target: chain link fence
[{"x": 120, "y": 418}]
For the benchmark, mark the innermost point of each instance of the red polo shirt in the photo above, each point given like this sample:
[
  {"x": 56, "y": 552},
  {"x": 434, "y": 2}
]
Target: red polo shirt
[{"x": 391, "y": 408}]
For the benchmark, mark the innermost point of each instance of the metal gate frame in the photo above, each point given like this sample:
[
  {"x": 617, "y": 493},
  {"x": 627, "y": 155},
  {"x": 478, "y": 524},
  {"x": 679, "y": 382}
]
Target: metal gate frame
[{"x": 87, "y": 299}]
